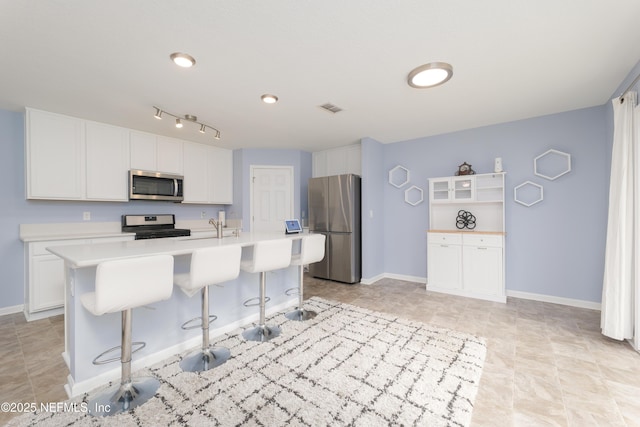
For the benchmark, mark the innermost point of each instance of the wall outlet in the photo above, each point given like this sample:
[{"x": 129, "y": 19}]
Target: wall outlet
[
  {"x": 203, "y": 214},
  {"x": 86, "y": 216}
]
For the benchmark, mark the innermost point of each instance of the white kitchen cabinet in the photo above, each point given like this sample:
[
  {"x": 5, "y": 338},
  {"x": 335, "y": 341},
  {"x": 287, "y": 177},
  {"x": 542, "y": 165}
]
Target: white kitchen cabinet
[
  {"x": 45, "y": 288},
  {"x": 169, "y": 155},
  {"x": 468, "y": 262},
  {"x": 156, "y": 153},
  {"x": 196, "y": 184},
  {"x": 482, "y": 269},
  {"x": 221, "y": 176},
  {"x": 338, "y": 161},
  {"x": 143, "y": 148},
  {"x": 445, "y": 260},
  {"x": 54, "y": 154},
  {"x": 208, "y": 176},
  {"x": 107, "y": 162},
  {"x": 452, "y": 189}
]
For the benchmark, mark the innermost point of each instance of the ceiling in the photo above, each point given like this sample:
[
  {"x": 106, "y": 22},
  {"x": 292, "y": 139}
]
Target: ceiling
[{"x": 109, "y": 61}]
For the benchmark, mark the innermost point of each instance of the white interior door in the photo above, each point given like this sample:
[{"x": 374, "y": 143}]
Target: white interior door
[{"x": 271, "y": 197}]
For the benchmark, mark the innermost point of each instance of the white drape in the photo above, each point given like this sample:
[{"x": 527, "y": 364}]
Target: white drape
[{"x": 619, "y": 286}]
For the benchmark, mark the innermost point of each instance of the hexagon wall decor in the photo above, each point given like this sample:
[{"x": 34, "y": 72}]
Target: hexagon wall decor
[
  {"x": 528, "y": 193},
  {"x": 552, "y": 164},
  {"x": 399, "y": 176},
  {"x": 413, "y": 195}
]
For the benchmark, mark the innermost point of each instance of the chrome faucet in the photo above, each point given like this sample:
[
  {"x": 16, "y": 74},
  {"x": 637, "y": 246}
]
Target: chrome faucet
[{"x": 218, "y": 226}]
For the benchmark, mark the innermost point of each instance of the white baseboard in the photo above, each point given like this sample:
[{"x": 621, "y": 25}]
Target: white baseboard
[
  {"x": 38, "y": 315},
  {"x": 372, "y": 280},
  {"x": 11, "y": 310},
  {"x": 74, "y": 389},
  {"x": 555, "y": 300},
  {"x": 514, "y": 294}
]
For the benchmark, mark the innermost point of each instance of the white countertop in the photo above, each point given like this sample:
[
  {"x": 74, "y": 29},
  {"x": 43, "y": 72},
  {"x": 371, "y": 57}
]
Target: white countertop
[
  {"x": 91, "y": 230},
  {"x": 88, "y": 255}
]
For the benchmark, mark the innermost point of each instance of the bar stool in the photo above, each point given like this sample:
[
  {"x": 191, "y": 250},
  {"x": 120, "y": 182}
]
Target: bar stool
[
  {"x": 311, "y": 250},
  {"x": 122, "y": 285},
  {"x": 268, "y": 255},
  {"x": 209, "y": 266}
]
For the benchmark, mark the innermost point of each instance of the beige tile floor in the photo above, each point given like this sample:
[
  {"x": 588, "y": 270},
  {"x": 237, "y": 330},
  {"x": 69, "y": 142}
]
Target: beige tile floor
[{"x": 547, "y": 364}]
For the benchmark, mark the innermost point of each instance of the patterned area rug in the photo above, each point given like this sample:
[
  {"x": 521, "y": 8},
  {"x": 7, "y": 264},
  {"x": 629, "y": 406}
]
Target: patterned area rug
[{"x": 348, "y": 366}]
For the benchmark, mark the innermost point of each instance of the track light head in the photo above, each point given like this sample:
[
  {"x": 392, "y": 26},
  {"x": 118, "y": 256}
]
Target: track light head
[
  {"x": 202, "y": 128},
  {"x": 158, "y": 114},
  {"x": 178, "y": 123},
  {"x": 217, "y": 136}
]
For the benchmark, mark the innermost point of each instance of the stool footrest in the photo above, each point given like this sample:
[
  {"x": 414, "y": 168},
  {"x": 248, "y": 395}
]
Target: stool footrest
[
  {"x": 248, "y": 304},
  {"x": 292, "y": 291},
  {"x": 139, "y": 344},
  {"x": 186, "y": 325}
]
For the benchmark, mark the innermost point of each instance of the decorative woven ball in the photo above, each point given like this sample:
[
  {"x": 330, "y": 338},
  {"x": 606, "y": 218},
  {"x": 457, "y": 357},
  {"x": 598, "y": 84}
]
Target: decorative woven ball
[{"x": 465, "y": 219}]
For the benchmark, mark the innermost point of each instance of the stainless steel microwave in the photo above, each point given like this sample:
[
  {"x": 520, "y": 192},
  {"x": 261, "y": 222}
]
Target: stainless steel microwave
[{"x": 146, "y": 185}]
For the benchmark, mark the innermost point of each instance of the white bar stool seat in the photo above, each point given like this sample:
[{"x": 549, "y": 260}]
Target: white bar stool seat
[
  {"x": 122, "y": 285},
  {"x": 209, "y": 266},
  {"x": 311, "y": 250},
  {"x": 268, "y": 255}
]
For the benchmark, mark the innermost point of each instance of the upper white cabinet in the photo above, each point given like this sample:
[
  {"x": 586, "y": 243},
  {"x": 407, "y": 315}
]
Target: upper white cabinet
[
  {"x": 74, "y": 159},
  {"x": 208, "y": 174},
  {"x": 482, "y": 195},
  {"x": 156, "y": 153},
  {"x": 107, "y": 149},
  {"x": 221, "y": 175},
  {"x": 338, "y": 161},
  {"x": 452, "y": 189},
  {"x": 54, "y": 156}
]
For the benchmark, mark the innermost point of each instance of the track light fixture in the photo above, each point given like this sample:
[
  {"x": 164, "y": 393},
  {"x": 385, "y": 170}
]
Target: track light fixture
[{"x": 189, "y": 118}]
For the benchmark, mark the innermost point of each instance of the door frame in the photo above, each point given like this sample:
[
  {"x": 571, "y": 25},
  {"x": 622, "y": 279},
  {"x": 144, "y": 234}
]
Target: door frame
[{"x": 252, "y": 168}]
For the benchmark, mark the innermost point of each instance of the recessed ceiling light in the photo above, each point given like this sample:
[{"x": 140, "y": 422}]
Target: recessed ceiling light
[
  {"x": 430, "y": 75},
  {"x": 269, "y": 99},
  {"x": 182, "y": 59}
]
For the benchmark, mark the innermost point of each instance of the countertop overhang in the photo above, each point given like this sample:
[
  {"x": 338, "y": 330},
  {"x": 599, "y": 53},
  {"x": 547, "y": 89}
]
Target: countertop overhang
[{"x": 88, "y": 255}]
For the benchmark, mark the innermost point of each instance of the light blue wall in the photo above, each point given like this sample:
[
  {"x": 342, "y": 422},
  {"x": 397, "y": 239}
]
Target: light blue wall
[
  {"x": 373, "y": 210},
  {"x": 245, "y": 158},
  {"x": 555, "y": 247}
]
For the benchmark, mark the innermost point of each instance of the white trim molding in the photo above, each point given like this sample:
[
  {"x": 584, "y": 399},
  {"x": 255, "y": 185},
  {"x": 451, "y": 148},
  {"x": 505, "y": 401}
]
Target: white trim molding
[
  {"x": 372, "y": 280},
  {"x": 555, "y": 300},
  {"x": 11, "y": 310},
  {"x": 513, "y": 294}
]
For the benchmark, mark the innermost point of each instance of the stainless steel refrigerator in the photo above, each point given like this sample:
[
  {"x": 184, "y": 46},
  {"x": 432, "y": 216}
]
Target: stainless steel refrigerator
[{"x": 334, "y": 210}]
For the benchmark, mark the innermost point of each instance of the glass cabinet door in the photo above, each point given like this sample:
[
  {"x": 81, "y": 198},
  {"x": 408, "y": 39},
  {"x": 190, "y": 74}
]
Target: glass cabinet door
[
  {"x": 440, "y": 189},
  {"x": 463, "y": 188}
]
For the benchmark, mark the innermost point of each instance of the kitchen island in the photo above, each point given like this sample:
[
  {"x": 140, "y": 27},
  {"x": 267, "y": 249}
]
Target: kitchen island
[{"x": 158, "y": 325}]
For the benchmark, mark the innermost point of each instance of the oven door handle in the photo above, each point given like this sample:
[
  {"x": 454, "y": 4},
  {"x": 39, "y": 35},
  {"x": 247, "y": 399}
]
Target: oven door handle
[{"x": 175, "y": 187}]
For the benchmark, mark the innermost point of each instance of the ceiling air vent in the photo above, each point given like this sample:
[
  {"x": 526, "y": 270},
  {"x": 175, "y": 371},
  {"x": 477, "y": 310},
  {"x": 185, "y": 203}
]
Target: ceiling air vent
[{"x": 331, "y": 108}]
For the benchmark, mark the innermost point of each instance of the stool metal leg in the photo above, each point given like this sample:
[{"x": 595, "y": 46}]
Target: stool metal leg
[
  {"x": 262, "y": 332},
  {"x": 208, "y": 357},
  {"x": 300, "y": 314},
  {"x": 131, "y": 392}
]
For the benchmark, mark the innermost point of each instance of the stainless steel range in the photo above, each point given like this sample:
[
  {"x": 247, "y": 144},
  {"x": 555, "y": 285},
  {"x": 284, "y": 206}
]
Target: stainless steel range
[{"x": 152, "y": 226}]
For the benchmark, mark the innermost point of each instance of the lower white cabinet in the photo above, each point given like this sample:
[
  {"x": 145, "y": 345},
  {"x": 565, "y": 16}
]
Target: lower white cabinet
[
  {"x": 45, "y": 285},
  {"x": 466, "y": 264},
  {"x": 444, "y": 259}
]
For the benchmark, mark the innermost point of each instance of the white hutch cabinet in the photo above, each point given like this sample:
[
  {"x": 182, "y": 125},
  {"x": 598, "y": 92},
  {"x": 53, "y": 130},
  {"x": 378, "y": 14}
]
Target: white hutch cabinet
[{"x": 463, "y": 261}]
